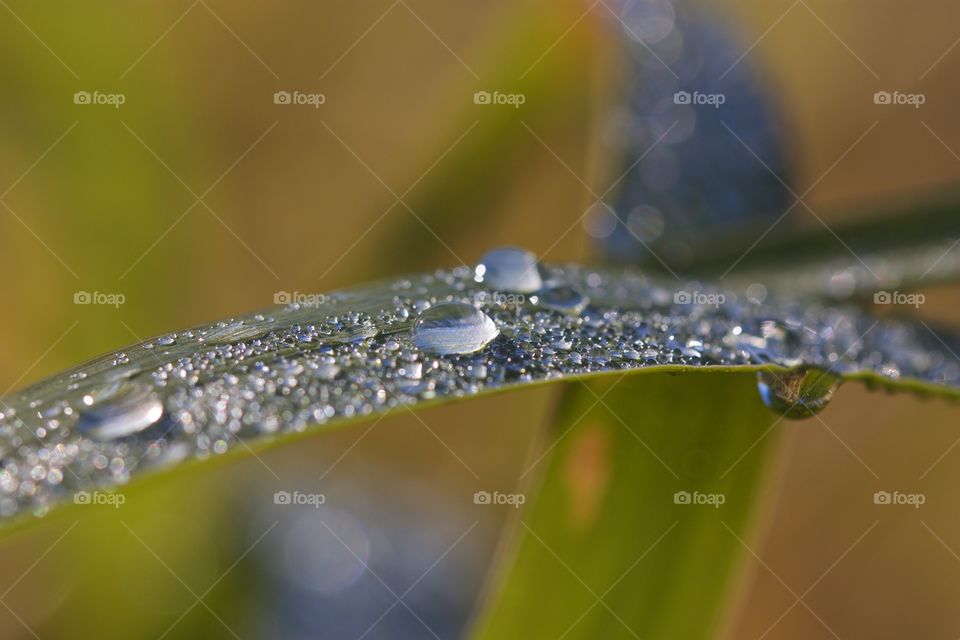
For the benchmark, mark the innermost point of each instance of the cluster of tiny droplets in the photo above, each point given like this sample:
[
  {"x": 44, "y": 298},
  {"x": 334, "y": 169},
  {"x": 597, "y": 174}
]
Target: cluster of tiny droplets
[{"x": 201, "y": 392}]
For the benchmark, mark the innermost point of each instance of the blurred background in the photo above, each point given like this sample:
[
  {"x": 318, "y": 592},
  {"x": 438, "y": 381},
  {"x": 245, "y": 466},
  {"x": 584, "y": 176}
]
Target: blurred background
[{"x": 189, "y": 161}]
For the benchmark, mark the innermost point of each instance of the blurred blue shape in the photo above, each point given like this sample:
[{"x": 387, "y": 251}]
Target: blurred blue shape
[
  {"x": 701, "y": 143},
  {"x": 337, "y": 569}
]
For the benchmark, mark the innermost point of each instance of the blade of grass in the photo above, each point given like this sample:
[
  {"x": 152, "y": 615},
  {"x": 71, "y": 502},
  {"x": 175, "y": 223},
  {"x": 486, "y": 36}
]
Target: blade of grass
[{"x": 648, "y": 490}]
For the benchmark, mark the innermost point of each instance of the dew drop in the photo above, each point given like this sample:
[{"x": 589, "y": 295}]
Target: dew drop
[
  {"x": 453, "y": 328},
  {"x": 563, "y": 298},
  {"x": 510, "y": 269},
  {"x": 326, "y": 370},
  {"x": 126, "y": 409},
  {"x": 411, "y": 371},
  {"x": 797, "y": 394}
]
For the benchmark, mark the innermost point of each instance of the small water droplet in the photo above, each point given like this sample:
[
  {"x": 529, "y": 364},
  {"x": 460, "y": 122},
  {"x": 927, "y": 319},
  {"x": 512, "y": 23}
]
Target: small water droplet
[
  {"x": 411, "y": 370},
  {"x": 510, "y": 269},
  {"x": 326, "y": 370},
  {"x": 797, "y": 394},
  {"x": 891, "y": 371},
  {"x": 563, "y": 298},
  {"x": 453, "y": 328},
  {"x": 122, "y": 411},
  {"x": 477, "y": 371}
]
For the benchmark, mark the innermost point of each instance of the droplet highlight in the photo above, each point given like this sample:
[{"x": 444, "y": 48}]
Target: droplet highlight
[{"x": 510, "y": 269}]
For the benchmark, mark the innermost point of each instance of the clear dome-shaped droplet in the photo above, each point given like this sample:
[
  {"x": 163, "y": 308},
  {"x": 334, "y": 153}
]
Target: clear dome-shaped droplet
[
  {"x": 453, "y": 328},
  {"x": 797, "y": 394},
  {"x": 563, "y": 298},
  {"x": 124, "y": 410},
  {"x": 510, "y": 269}
]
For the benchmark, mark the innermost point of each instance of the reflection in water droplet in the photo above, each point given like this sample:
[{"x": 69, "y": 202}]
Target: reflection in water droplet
[
  {"x": 125, "y": 410},
  {"x": 452, "y": 328},
  {"x": 510, "y": 269},
  {"x": 797, "y": 394},
  {"x": 563, "y": 298}
]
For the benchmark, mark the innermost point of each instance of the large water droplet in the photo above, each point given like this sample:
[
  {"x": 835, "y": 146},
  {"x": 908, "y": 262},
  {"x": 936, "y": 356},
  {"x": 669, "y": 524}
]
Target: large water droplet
[
  {"x": 510, "y": 269},
  {"x": 452, "y": 328},
  {"x": 797, "y": 394},
  {"x": 126, "y": 409}
]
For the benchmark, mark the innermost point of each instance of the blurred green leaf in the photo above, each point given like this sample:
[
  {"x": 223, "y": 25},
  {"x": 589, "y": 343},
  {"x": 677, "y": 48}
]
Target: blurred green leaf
[
  {"x": 644, "y": 509},
  {"x": 904, "y": 246},
  {"x": 472, "y": 190}
]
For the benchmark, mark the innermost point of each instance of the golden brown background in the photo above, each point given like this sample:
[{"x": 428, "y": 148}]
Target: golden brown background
[{"x": 400, "y": 171}]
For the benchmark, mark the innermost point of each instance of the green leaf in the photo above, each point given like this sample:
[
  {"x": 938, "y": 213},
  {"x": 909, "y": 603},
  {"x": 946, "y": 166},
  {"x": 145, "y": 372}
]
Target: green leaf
[
  {"x": 906, "y": 248},
  {"x": 255, "y": 380},
  {"x": 645, "y": 500}
]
